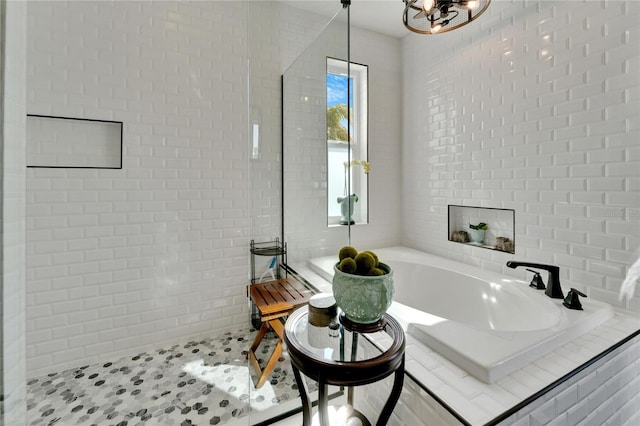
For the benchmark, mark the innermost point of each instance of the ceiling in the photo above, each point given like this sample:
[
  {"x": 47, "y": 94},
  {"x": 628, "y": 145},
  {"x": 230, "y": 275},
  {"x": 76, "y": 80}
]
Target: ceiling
[{"x": 383, "y": 16}]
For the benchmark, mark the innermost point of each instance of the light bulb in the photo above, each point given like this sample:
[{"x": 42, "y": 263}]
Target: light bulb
[
  {"x": 473, "y": 4},
  {"x": 427, "y": 5},
  {"x": 435, "y": 28}
]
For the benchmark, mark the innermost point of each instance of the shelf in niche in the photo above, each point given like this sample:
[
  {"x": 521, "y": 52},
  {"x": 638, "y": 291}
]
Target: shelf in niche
[
  {"x": 484, "y": 246},
  {"x": 500, "y": 222}
]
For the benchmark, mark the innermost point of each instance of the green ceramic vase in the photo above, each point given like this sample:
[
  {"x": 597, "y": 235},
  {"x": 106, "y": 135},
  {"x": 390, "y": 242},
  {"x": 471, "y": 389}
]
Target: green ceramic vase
[{"x": 363, "y": 299}]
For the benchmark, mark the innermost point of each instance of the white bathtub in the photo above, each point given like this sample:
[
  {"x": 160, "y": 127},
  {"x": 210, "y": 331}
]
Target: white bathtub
[{"x": 488, "y": 324}]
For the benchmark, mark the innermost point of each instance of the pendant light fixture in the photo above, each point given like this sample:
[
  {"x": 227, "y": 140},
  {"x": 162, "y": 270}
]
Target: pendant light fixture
[{"x": 440, "y": 16}]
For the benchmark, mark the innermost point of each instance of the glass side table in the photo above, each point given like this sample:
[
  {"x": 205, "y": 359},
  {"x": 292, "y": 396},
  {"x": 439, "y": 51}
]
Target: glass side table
[{"x": 332, "y": 355}]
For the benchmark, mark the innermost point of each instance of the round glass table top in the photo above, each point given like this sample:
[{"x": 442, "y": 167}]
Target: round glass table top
[{"x": 341, "y": 341}]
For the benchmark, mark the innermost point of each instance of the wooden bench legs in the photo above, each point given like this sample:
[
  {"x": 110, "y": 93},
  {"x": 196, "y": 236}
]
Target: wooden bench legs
[
  {"x": 275, "y": 325},
  {"x": 274, "y": 300}
]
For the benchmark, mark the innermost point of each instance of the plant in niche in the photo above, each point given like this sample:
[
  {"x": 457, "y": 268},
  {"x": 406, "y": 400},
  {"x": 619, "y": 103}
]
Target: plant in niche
[
  {"x": 477, "y": 232},
  {"x": 481, "y": 226}
]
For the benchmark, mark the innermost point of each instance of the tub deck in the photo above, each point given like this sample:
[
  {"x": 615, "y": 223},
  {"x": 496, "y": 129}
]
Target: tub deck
[{"x": 476, "y": 402}]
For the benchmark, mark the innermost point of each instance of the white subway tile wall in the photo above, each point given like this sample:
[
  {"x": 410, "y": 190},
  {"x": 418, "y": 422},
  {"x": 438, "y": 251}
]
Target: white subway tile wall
[
  {"x": 534, "y": 107},
  {"x": 277, "y": 34},
  {"x": 304, "y": 150},
  {"x": 157, "y": 252},
  {"x": 383, "y": 55},
  {"x": 607, "y": 392},
  {"x": 12, "y": 203}
]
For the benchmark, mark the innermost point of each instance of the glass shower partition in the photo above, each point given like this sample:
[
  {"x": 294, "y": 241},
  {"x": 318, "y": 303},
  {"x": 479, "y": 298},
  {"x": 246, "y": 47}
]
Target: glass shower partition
[
  {"x": 287, "y": 154},
  {"x": 305, "y": 226}
]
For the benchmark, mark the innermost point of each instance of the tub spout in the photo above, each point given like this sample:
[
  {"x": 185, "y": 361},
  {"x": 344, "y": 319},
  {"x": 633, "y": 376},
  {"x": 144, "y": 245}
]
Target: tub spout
[{"x": 553, "y": 283}]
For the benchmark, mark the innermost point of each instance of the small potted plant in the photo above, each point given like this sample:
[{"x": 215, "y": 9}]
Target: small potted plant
[
  {"x": 477, "y": 232},
  {"x": 362, "y": 285}
]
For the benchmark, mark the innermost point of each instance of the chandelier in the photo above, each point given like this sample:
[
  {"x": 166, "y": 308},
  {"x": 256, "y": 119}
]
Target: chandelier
[{"x": 439, "y": 16}]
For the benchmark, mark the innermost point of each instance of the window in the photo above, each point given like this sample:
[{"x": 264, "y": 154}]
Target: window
[{"x": 346, "y": 125}]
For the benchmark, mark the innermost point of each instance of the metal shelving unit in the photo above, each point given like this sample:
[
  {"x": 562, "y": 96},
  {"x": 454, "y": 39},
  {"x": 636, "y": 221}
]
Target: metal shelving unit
[{"x": 275, "y": 249}]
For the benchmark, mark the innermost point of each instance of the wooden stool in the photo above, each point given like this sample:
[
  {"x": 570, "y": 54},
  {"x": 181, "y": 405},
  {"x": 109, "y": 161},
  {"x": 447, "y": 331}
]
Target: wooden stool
[{"x": 274, "y": 300}]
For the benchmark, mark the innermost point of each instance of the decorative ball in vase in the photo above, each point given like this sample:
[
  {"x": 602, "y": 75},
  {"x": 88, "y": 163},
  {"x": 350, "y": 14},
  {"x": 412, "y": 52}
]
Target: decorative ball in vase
[{"x": 362, "y": 285}]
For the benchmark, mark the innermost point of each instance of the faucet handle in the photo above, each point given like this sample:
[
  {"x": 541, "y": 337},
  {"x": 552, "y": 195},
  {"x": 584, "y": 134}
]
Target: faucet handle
[
  {"x": 572, "y": 301},
  {"x": 536, "y": 281}
]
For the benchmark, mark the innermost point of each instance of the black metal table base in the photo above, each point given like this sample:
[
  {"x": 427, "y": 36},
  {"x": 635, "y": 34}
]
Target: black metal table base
[
  {"x": 323, "y": 404},
  {"x": 346, "y": 369}
]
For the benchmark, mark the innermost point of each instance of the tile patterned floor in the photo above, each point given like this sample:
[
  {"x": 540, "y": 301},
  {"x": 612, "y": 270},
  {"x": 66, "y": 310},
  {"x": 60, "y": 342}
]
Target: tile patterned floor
[{"x": 205, "y": 382}]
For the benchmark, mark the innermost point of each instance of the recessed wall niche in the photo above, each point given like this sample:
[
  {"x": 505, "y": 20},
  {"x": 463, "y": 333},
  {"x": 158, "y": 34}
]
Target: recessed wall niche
[
  {"x": 63, "y": 142},
  {"x": 485, "y": 227}
]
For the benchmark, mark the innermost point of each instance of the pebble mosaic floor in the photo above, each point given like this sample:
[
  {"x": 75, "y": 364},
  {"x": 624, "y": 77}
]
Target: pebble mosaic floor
[{"x": 205, "y": 382}]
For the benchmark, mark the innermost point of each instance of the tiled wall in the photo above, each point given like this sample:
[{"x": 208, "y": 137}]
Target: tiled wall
[
  {"x": 305, "y": 149},
  {"x": 156, "y": 252},
  {"x": 277, "y": 35},
  {"x": 533, "y": 107},
  {"x": 605, "y": 393},
  {"x": 383, "y": 56},
  {"x": 13, "y": 39}
]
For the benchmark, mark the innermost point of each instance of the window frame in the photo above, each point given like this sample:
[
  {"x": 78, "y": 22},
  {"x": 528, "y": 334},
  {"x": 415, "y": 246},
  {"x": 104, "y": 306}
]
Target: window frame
[{"x": 359, "y": 140}]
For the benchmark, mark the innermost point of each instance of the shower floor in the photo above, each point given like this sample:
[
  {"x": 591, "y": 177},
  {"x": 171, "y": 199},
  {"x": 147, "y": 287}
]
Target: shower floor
[{"x": 204, "y": 382}]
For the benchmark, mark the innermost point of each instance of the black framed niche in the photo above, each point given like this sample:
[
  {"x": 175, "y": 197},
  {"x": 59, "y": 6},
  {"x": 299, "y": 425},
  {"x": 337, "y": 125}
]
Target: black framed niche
[
  {"x": 76, "y": 143},
  {"x": 485, "y": 227}
]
